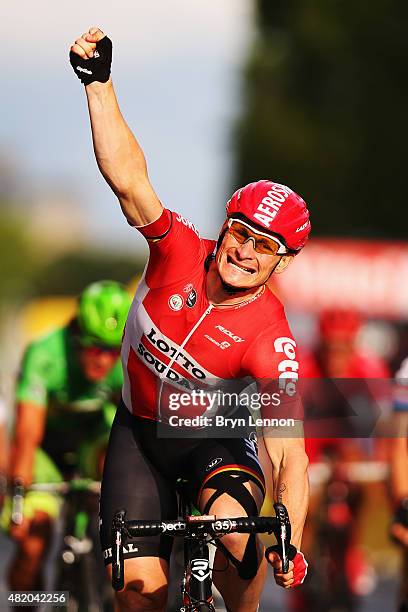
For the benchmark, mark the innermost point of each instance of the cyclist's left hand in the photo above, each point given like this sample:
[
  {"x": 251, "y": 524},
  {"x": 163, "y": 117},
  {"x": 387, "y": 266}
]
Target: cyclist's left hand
[{"x": 297, "y": 570}]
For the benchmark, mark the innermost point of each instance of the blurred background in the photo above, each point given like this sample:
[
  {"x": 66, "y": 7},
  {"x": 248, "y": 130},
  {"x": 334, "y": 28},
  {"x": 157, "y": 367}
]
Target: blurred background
[{"x": 310, "y": 94}]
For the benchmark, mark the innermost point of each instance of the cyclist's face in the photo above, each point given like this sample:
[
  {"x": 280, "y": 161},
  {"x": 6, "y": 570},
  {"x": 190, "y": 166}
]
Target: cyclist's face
[
  {"x": 240, "y": 265},
  {"x": 96, "y": 362},
  {"x": 337, "y": 355}
]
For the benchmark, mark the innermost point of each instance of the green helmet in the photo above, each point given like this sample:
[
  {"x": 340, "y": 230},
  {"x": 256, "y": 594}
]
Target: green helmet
[{"x": 102, "y": 312}]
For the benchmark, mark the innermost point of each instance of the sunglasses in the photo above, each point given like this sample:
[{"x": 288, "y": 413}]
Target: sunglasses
[
  {"x": 96, "y": 350},
  {"x": 263, "y": 243}
]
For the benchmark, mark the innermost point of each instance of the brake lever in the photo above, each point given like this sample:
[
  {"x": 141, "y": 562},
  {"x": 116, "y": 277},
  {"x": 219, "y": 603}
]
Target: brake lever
[
  {"x": 118, "y": 531},
  {"x": 283, "y": 534}
]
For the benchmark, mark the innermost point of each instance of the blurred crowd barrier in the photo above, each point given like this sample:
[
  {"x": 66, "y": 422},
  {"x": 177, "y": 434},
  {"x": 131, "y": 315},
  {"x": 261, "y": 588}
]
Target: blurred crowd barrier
[{"x": 363, "y": 274}]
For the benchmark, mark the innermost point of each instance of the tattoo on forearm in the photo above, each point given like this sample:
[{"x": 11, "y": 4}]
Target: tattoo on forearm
[{"x": 282, "y": 488}]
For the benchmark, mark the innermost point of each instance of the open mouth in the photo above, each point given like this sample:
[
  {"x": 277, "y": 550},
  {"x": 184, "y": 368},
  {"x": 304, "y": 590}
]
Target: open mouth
[{"x": 240, "y": 267}]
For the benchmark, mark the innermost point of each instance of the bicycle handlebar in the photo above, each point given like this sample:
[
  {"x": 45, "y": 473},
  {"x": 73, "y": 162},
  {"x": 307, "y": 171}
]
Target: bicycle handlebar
[
  {"x": 76, "y": 484},
  {"x": 200, "y": 528},
  {"x": 60, "y": 488}
]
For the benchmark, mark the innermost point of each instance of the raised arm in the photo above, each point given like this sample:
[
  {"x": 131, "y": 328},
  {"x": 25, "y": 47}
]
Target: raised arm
[{"x": 118, "y": 154}]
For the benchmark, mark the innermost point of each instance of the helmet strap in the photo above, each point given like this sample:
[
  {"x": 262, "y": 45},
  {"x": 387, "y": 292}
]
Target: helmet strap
[
  {"x": 283, "y": 263},
  {"x": 219, "y": 241}
]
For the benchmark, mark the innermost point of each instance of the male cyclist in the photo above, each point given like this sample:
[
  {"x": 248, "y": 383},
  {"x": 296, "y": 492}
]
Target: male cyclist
[
  {"x": 202, "y": 315},
  {"x": 399, "y": 476},
  {"x": 336, "y": 357},
  {"x": 66, "y": 393}
]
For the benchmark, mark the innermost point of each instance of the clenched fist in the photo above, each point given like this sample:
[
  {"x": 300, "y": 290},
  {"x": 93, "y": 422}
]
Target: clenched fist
[{"x": 91, "y": 56}]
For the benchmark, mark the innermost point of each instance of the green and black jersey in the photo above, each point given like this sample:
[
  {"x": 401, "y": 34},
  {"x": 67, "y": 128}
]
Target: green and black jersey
[{"x": 51, "y": 377}]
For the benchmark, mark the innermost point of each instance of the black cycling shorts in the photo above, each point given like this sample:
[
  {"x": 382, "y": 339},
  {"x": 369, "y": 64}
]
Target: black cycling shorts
[{"x": 141, "y": 471}]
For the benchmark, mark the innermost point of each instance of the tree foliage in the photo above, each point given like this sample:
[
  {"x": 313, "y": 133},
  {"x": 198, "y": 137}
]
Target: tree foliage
[
  {"x": 70, "y": 273},
  {"x": 325, "y": 111},
  {"x": 27, "y": 271},
  {"x": 18, "y": 261}
]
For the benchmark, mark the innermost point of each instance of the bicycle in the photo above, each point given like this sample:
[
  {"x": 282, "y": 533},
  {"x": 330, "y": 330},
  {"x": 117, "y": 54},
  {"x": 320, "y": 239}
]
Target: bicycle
[
  {"x": 328, "y": 588},
  {"x": 198, "y": 532},
  {"x": 79, "y": 565}
]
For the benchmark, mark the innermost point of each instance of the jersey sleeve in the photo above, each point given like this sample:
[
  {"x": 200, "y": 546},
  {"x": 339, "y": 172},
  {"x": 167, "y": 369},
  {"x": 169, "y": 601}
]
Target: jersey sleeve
[
  {"x": 173, "y": 251},
  {"x": 272, "y": 361},
  {"x": 32, "y": 380}
]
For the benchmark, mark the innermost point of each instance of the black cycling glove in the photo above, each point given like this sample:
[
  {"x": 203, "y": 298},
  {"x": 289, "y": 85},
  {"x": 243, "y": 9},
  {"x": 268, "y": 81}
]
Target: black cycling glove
[{"x": 96, "y": 68}]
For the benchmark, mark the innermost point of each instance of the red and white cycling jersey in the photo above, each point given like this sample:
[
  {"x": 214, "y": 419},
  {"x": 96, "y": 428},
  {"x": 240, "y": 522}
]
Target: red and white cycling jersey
[
  {"x": 369, "y": 368},
  {"x": 173, "y": 334}
]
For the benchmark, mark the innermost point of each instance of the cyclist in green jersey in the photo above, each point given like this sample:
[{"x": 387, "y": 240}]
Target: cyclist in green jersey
[{"x": 69, "y": 383}]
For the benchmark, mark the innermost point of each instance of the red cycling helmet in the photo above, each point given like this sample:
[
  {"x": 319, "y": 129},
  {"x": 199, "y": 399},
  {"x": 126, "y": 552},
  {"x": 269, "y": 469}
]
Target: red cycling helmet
[
  {"x": 274, "y": 209},
  {"x": 339, "y": 324}
]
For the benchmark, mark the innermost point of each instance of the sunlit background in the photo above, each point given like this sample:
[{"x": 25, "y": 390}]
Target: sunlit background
[
  {"x": 177, "y": 70},
  {"x": 313, "y": 95}
]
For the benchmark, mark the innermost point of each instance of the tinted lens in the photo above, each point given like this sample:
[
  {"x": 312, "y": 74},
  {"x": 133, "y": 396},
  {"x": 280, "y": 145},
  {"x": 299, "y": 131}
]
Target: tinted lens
[
  {"x": 97, "y": 350},
  {"x": 263, "y": 245},
  {"x": 240, "y": 232}
]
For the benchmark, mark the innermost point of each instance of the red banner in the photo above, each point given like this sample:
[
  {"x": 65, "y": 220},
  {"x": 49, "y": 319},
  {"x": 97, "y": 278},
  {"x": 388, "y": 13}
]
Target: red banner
[{"x": 370, "y": 276}]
